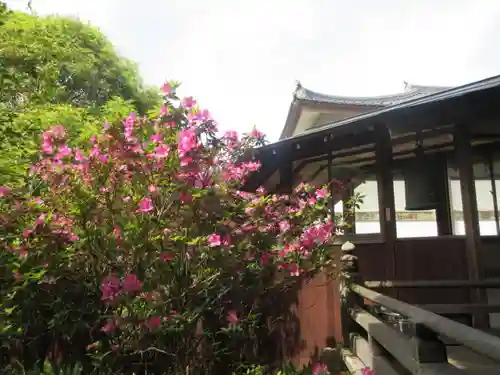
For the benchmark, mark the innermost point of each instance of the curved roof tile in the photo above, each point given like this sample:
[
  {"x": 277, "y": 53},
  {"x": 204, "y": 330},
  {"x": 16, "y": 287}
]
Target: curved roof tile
[{"x": 411, "y": 92}]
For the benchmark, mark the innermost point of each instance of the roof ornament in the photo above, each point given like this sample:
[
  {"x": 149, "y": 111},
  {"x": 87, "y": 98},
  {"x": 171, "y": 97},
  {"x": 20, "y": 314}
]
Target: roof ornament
[
  {"x": 298, "y": 87},
  {"x": 408, "y": 86}
]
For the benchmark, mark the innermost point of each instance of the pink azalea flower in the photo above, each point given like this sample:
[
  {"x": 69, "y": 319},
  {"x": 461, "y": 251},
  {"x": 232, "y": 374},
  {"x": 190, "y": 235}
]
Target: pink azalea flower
[
  {"x": 284, "y": 226},
  {"x": 110, "y": 288},
  {"x": 163, "y": 110},
  {"x": 146, "y": 205},
  {"x": 186, "y": 198},
  {"x": 167, "y": 89},
  {"x": 47, "y": 147},
  {"x": 157, "y": 137},
  {"x": 161, "y": 151},
  {"x": 256, "y": 134},
  {"x": 117, "y": 233},
  {"x": 367, "y": 371},
  {"x": 79, "y": 156},
  {"x": 188, "y": 102},
  {"x": 188, "y": 141},
  {"x": 166, "y": 257},
  {"x": 322, "y": 193},
  {"x": 294, "y": 269},
  {"x": 110, "y": 326},
  {"x": 4, "y": 191},
  {"x": 40, "y": 220},
  {"x": 131, "y": 283},
  {"x": 214, "y": 240},
  {"x": 320, "y": 369},
  {"x": 153, "y": 322},
  {"x": 232, "y": 317}
]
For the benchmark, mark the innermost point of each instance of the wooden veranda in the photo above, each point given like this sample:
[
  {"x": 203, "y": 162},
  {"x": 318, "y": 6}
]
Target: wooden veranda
[{"x": 415, "y": 305}]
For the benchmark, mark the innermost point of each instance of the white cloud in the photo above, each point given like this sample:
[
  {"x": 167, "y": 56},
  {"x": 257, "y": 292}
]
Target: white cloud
[{"x": 241, "y": 58}]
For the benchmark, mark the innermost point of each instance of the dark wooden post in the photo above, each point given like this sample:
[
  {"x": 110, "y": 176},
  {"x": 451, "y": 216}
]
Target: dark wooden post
[
  {"x": 464, "y": 158},
  {"x": 349, "y": 300},
  {"x": 426, "y": 345},
  {"x": 387, "y": 211}
]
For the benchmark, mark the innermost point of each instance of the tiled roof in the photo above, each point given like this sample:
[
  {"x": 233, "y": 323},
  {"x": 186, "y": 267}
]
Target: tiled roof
[{"x": 411, "y": 92}]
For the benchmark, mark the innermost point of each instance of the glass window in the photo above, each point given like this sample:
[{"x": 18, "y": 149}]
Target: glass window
[
  {"x": 412, "y": 223},
  {"x": 367, "y": 214}
]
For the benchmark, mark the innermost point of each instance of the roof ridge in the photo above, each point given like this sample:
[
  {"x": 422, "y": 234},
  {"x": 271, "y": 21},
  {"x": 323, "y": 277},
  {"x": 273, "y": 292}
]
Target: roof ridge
[{"x": 410, "y": 92}]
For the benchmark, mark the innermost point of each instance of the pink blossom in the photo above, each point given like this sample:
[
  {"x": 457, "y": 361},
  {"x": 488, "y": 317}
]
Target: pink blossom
[
  {"x": 294, "y": 269},
  {"x": 64, "y": 151},
  {"x": 40, "y": 220},
  {"x": 167, "y": 89},
  {"x": 232, "y": 317},
  {"x": 188, "y": 141},
  {"x": 79, "y": 156},
  {"x": 163, "y": 110},
  {"x": 188, "y": 102},
  {"x": 110, "y": 288},
  {"x": 131, "y": 283},
  {"x": 322, "y": 193},
  {"x": 214, "y": 240},
  {"x": 367, "y": 371},
  {"x": 256, "y": 134},
  {"x": 110, "y": 326},
  {"x": 186, "y": 197},
  {"x": 161, "y": 151},
  {"x": 47, "y": 147},
  {"x": 4, "y": 191},
  {"x": 284, "y": 226},
  {"x": 320, "y": 369},
  {"x": 146, "y": 205},
  {"x": 153, "y": 322},
  {"x": 117, "y": 233},
  {"x": 152, "y": 188},
  {"x": 157, "y": 137},
  {"x": 166, "y": 257}
]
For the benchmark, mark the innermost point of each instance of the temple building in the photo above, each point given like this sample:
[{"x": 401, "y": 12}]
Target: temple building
[{"x": 310, "y": 110}]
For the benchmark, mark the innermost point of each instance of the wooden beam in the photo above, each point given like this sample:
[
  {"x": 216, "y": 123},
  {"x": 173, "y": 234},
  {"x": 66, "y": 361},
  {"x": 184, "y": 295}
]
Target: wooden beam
[
  {"x": 403, "y": 349},
  {"x": 385, "y": 185},
  {"x": 464, "y": 159},
  {"x": 474, "y": 339},
  {"x": 490, "y": 283},
  {"x": 325, "y": 143},
  {"x": 363, "y": 350}
]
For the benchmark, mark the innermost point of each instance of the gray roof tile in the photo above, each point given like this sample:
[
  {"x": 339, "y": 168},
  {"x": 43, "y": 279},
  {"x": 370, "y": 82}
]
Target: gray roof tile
[{"x": 411, "y": 92}]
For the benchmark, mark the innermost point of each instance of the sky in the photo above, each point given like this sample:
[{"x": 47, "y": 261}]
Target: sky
[{"x": 241, "y": 59}]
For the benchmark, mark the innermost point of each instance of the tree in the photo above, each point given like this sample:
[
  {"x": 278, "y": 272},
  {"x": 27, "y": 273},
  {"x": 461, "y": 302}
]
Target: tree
[
  {"x": 62, "y": 60},
  {"x": 59, "y": 70}
]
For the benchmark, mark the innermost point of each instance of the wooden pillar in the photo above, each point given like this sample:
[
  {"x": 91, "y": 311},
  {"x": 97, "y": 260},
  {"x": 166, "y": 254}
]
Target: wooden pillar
[
  {"x": 387, "y": 211},
  {"x": 464, "y": 159},
  {"x": 443, "y": 210}
]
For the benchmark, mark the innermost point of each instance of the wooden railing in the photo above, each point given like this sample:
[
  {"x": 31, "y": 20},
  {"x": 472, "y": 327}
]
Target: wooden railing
[{"x": 395, "y": 338}]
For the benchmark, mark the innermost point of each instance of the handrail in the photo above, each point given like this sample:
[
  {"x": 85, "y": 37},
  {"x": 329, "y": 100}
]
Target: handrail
[
  {"x": 484, "y": 284},
  {"x": 478, "y": 341}
]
